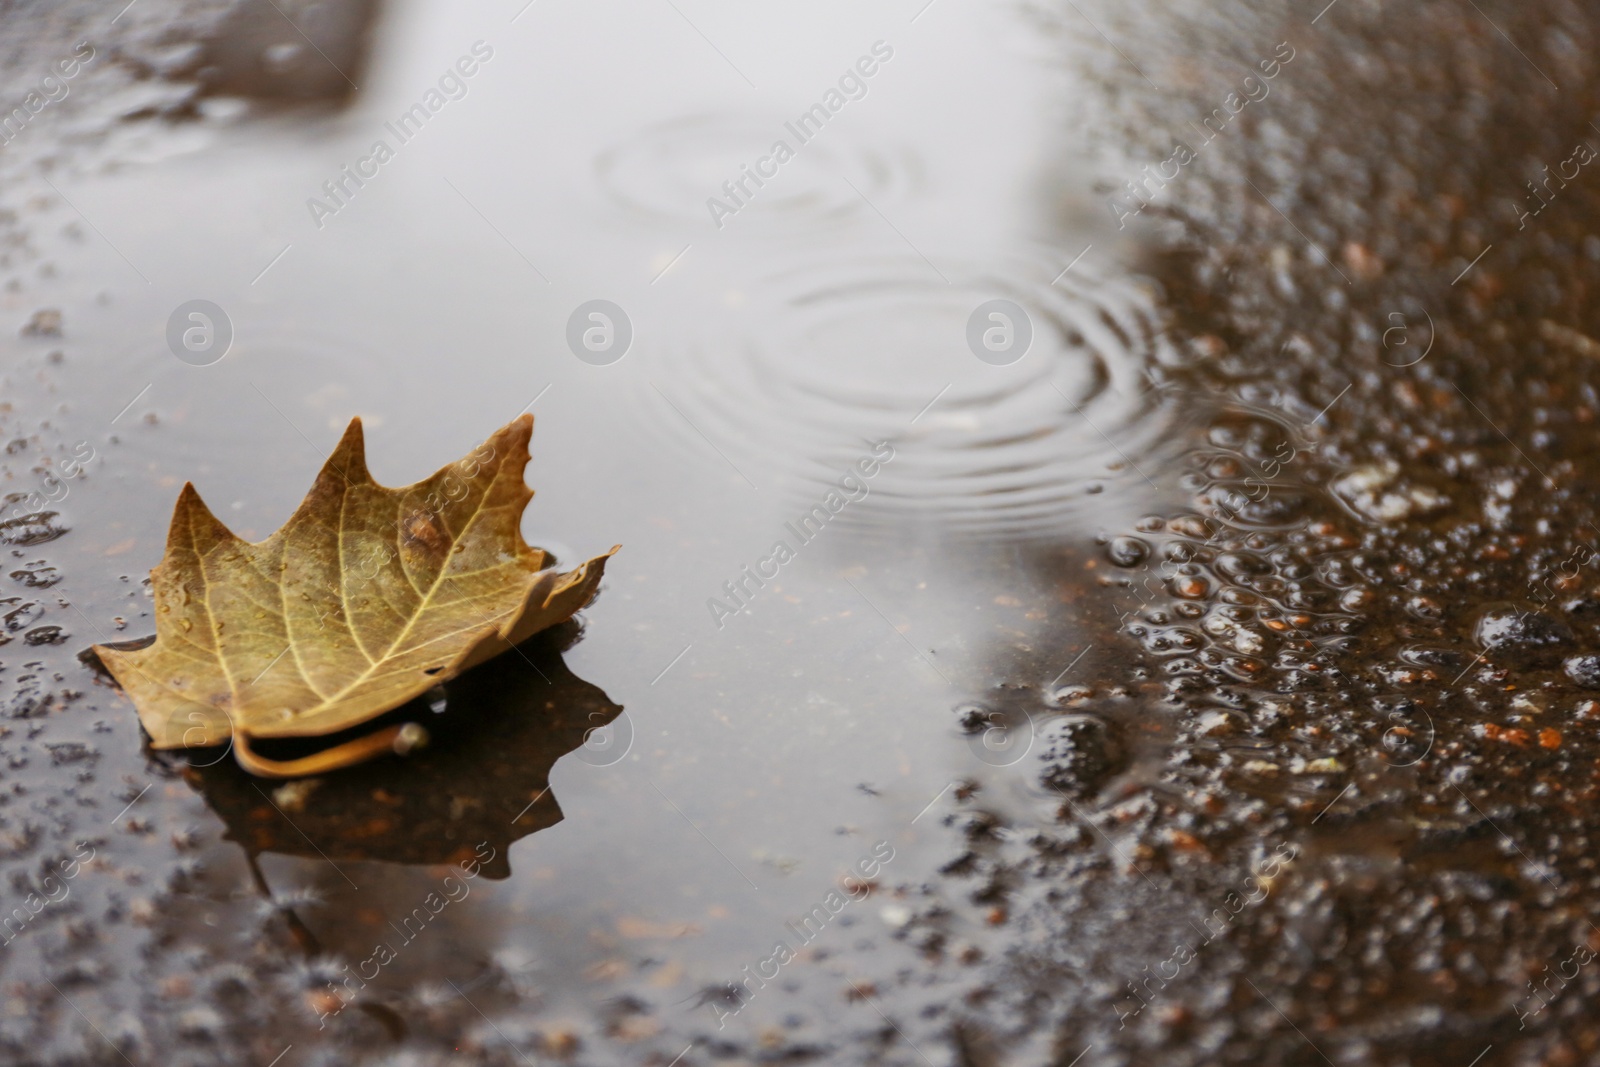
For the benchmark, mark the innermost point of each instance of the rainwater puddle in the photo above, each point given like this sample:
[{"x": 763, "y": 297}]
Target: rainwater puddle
[{"x": 799, "y": 371}]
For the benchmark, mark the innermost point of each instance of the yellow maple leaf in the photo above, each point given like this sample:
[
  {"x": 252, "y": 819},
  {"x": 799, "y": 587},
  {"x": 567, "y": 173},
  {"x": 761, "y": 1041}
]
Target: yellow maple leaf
[{"x": 365, "y": 599}]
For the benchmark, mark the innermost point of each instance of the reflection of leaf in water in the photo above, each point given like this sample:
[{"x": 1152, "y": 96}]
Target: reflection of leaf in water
[{"x": 486, "y": 779}]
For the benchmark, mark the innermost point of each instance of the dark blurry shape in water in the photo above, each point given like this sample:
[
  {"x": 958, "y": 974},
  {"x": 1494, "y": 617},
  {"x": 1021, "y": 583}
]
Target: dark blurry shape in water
[
  {"x": 289, "y": 50},
  {"x": 484, "y": 778}
]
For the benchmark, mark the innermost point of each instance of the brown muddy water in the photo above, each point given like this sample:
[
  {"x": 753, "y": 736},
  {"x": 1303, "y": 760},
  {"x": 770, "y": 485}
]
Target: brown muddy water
[{"x": 1190, "y": 658}]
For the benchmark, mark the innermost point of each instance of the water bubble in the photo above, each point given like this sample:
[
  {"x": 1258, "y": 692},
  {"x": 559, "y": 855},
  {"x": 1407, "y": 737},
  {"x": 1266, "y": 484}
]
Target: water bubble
[
  {"x": 1128, "y": 551},
  {"x": 37, "y": 575},
  {"x": 1584, "y": 670},
  {"x": 411, "y": 738},
  {"x": 1516, "y": 631},
  {"x": 1079, "y": 752},
  {"x": 1069, "y": 696},
  {"x": 31, "y": 529},
  {"x": 45, "y": 635}
]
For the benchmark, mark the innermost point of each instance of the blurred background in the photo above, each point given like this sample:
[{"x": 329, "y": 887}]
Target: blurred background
[{"x": 1208, "y": 650}]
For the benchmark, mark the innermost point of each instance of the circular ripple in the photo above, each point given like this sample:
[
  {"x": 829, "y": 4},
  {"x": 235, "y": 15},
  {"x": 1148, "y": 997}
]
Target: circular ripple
[
  {"x": 844, "y": 358},
  {"x": 671, "y": 170}
]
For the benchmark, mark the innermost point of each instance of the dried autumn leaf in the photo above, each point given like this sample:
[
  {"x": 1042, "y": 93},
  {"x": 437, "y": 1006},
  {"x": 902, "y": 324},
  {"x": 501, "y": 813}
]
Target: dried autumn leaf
[{"x": 366, "y": 598}]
